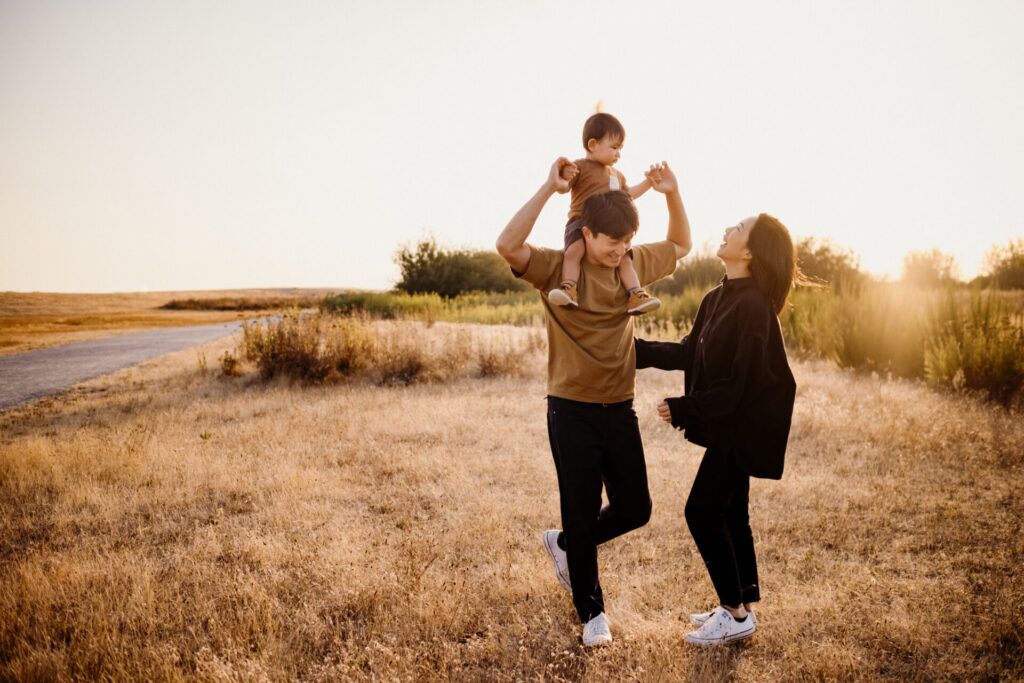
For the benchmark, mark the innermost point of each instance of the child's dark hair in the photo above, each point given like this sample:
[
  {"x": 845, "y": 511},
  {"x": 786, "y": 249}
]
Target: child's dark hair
[
  {"x": 612, "y": 213},
  {"x": 601, "y": 124}
]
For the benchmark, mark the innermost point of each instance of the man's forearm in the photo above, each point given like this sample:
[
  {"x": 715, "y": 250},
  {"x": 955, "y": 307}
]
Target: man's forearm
[
  {"x": 513, "y": 237},
  {"x": 678, "y": 224}
]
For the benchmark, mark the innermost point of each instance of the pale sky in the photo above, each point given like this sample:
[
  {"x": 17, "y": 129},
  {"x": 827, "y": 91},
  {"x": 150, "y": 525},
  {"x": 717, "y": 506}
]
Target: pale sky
[{"x": 204, "y": 144}]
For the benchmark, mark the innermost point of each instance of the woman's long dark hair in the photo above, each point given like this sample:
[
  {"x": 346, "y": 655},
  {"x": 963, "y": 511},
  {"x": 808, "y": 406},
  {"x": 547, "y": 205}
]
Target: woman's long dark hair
[{"x": 773, "y": 265}]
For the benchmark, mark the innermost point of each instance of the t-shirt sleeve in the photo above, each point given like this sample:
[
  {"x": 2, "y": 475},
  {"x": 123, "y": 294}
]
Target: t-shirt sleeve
[
  {"x": 654, "y": 261},
  {"x": 544, "y": 263}
]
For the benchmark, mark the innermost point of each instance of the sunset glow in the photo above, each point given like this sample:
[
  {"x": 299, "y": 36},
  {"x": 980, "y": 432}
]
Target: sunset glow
[{"x": 210, "y": 145}]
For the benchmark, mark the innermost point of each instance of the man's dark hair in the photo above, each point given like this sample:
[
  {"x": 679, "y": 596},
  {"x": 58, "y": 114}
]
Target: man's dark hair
[
  {"x": 601, "y": 124},
  {"x": 612, "y": 213}
]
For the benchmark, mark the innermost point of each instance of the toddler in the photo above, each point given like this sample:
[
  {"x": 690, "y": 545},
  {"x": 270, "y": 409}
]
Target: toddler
[{"x": 603, "y": 137}]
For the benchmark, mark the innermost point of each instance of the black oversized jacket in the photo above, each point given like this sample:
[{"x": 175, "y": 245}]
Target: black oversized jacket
[{"x": 739, "y": 388}]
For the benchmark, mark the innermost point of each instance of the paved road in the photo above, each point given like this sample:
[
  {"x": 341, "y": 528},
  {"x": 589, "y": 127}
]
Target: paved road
[{"x": 31, "y": 375}]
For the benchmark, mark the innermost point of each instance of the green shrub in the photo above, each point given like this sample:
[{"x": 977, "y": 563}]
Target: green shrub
[
  {"x": 824, "y": 262},
  {"x": 929, "y": 269},
  {"x": 385, "y": 305},
  {"x": 429, "y": 269},
  {"x": 700, "y": 271},
  {"x": 1004, "y": 266},
  {"x": 978, "y": 348},
  {"x": 881, "y": 328}
]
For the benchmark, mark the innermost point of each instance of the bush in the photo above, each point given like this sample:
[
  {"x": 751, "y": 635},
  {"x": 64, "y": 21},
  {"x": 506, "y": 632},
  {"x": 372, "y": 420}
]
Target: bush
[
  {"x": 512, "y": 308},
  {"x": 701, "y": 270},
  {"x": 1004, "y": 266},
  {"x": 824, "y": 262},
  {"x": 929, "y": 269},
  {"x": 322, "y": 347},
  {"x": 293, "y": 345},
  {"x": 230, "y": 365},
  {"x": 978, "y": 349},
  {"x": 428, "y": 268},
  {"x": 385, "y": 305}
]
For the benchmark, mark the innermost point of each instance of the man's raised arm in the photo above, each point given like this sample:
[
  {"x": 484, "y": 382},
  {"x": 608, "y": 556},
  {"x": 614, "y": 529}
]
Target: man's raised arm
[
  {"x": 511, "y": 242},
  {"x": 664, "y": 180}
]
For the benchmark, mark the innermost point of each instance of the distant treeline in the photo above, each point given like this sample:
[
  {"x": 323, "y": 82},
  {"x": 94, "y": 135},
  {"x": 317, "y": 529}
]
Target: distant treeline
[
  {"x": 931, "y": 325},
  {"x": 428, "y": 268}
]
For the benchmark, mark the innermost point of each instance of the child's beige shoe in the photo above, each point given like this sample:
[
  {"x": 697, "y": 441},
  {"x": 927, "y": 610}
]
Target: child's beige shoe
[
  {"x": 642, "y": 302},
  {"x": 564, "y": 295}
]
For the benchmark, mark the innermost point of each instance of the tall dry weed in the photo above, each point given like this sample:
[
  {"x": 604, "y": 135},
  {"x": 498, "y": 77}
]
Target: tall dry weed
[{"x": 321, "y": 347}]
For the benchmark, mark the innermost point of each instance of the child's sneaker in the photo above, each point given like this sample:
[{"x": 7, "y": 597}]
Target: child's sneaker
[
  {"x": 564, "y": 295},
  {"x": 642, "y": 302}
]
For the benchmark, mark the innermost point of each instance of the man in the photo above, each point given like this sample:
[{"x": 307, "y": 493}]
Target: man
[{"x": 592, "y": 427}]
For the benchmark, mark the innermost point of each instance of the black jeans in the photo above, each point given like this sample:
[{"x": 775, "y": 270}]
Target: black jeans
[
  {"x": 595, "y": 443},
  {"x": 717, "y": 515}
]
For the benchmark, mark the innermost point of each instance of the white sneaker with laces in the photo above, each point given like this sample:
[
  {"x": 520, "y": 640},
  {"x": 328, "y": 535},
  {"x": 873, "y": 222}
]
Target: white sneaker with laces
[
  {"x": 700, "y": 618},
  {"x": 558, "y": 556},
  {"x": 597, "y": 631},
  {"x": 721, "y": 628}
]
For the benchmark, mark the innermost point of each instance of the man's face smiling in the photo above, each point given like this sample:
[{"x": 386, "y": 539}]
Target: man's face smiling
[{"x": 606, "y": 251}]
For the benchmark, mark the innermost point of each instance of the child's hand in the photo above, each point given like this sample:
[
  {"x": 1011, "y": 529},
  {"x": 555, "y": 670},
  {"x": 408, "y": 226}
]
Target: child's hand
[
  {"x": 556, "y": 180},
  {"x": 662, "y": 178}
]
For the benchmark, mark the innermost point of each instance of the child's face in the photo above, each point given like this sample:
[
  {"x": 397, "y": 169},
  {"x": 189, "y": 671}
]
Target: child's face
[{"x": 606, "y": 150}]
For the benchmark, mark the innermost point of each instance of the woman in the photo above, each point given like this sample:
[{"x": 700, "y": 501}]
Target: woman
[{"x": 738, "y": 403}]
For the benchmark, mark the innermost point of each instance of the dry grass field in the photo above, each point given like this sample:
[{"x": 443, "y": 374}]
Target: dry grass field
[
  {"x": 167, "y": 522},
  {"x": 33, "y": 320}
]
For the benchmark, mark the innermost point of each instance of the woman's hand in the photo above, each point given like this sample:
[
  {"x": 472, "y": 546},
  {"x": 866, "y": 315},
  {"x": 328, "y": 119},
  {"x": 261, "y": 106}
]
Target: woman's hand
[
  {"x": 664, "y": 412},
  {"x": 662, "y": 178},
  {"x": 561, "y": 173}
]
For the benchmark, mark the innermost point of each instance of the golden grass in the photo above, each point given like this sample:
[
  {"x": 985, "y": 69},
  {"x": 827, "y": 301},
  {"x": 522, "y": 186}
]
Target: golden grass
[
  {"x": 317, "y": 347},
  {"x": 33, "y": 320},
  {"x": 166, "y": 523}
]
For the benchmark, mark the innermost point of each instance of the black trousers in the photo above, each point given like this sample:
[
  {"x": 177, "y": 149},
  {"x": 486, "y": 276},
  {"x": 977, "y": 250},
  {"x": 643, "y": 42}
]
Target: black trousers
[
  {"x": 718, "y": 517},
  {"x": 594, "y": 444}
]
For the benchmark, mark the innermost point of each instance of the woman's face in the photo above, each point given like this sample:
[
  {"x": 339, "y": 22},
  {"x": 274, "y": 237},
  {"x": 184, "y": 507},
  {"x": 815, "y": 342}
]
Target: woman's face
[{"x": 734, "y": 241}]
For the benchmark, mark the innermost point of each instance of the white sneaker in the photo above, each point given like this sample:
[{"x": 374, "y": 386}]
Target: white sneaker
[
  {"x": 721, "y": 628},
  {"x": 559, "y": 557},
  {"x": 699, "y": 619},
  {"x": 596, "y": 631}
]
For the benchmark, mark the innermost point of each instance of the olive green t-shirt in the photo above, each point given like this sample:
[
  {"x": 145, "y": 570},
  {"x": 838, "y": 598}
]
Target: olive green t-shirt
[{"x": 590, "y": 349}]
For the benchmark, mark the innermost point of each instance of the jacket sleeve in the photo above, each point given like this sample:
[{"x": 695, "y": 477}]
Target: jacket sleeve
[
  {"x": 670, "y": 355},
  {"x": 663, "y": 355},
  {"x": 722, "y": 397}
]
